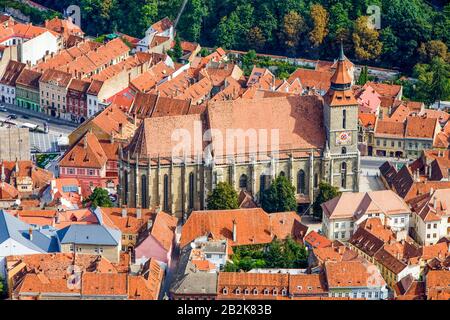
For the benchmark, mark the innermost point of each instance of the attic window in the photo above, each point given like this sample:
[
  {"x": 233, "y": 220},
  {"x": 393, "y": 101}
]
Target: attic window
[{"x": 225, "y": 291}]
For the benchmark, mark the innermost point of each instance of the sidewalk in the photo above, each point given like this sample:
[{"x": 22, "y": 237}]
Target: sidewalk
[{"x": 38, "y": 115}]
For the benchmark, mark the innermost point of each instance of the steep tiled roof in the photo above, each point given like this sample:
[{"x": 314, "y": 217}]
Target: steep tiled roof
[
  {"x": 389, "y": 261},
  {"x": 357, "y": 204},
  {"x": 312, "y": 79},
  {"x": 419, "y": 127},
  {"x": 317, "y": 240},
  {"x": 60, "y": 78},
  {"x": 298, "y": 120},
  {"x": 88, "y": 152},
  {"x": 12, "y": 72},
  {"x": 307, "y": 284},
  {"x": 253, "y": 226},
  {"x": 352, "y": 274},
  {"x": 367, "y": 242},
  {"x": 384, "y": 89},
  {"x": 386, "y": 128},
  {"x": 29, "y": 78},
  {"x": 162, "y": 25}
]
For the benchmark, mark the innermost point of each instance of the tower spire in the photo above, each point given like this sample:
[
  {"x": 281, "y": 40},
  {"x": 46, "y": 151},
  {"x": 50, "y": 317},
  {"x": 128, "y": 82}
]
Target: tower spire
[{"x": 341, "y": 53}]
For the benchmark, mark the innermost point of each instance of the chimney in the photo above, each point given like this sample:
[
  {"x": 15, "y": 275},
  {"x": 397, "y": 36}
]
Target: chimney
[
  {"x": 139, "y": 213},
  {"x": 234, "y": 231},
  {"x": 30, "y": 233},
  {"x": 121, "y": 128},
  {"x": 85, "y": 142},
  {"x": 17, "y": 166},
  {"x": 434, "y": 203},
  {"x": 124, "y": 212},
  {"x": 429, "y": 171}
]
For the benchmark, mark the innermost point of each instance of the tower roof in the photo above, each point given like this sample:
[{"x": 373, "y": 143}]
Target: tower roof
[{"x": 340, "y": 92}]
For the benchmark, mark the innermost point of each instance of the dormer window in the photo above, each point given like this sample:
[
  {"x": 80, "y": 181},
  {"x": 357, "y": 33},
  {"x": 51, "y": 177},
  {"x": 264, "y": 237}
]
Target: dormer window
[
  {"x": 284, "y": 292},
  {"x": 225, "y": 291},
  {"x": 246, "y": 291},
  {"x": 275, "y": 292},
  {"x": 238, "y": 291},
  {"x": 255, "y": 292},
  {"x": 266, "y": 291}
]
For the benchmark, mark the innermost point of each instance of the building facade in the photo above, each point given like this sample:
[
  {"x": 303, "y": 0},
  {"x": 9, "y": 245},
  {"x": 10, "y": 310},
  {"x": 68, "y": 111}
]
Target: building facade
[
  {"x": 27, "y": 90},
  {"x": 317, "y": 142}
]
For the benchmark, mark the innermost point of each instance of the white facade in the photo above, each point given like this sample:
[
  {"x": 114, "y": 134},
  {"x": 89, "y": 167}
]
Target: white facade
[
  {"x": 369, "y": 293},
  {"x": 7, "y": 94},
  {"x": 35, "y": 49},
  {"x": 11, "y": 247},
  {"x": 430, "y": 232}
]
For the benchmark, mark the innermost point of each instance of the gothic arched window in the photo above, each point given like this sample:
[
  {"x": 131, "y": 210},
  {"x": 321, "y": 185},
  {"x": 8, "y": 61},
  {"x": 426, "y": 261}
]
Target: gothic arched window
[
  {"x": 191, "y": 190},
  {"x": 243, "y": 181},
  {"x": 166, "y": 193},
  {"x": 344, "y": 118},
  {"x": 144, "y": 192},
  {"x": 344, "y": 175},
  {"x": 125, "y": 188},
  {"x": 301, "y": 182}
]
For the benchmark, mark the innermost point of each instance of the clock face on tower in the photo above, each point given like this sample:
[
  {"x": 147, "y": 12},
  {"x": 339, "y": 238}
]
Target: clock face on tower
[{"x": 343, "y": 138}]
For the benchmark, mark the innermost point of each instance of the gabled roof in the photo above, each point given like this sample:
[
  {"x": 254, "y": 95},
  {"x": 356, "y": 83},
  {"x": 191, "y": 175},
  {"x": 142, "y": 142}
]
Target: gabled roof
[
  {"x": 356, "y": 204},
  {"x": 13, "y": 228},
  {"x": 91, "y": 234},
  {"x": 352, "y": 274},
  {"x": 253, "y": 226},
  {"x": 88, "y": 152},
  {"x": 12, "y": 72}
]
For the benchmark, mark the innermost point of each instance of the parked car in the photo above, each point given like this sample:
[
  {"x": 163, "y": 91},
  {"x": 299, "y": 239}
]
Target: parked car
[
  {"x": 3, "y": 109},
  {"x": 12, "y": 116},
  {"x": 25, "y": 116}
]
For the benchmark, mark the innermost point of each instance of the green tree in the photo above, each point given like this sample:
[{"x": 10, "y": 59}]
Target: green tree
[
  {"x": 256, "y": 39},
  {"x": 102, "y": 12},
  {"x": 431, "y": 49},
  {"x": 227, "y": 33},
  {"x": 433, "y": 81},
  {"x": 293, "y": 24},
  {"x": 364, "y": 76},
  {"x": 177, "y": 51},
  {"x": 280, "y": 196},
  {"x": 340, "y": 23},
  {"x": 319, "y": 17},
  {"x": 366, "y": 40},
  {"x": 223, "y": 197},
  {"x": 99, "y": 198},
  {"x": 326, "y": 192},
  {"x": 274, "y": 255},
  {"x": 190, "y": 25}
]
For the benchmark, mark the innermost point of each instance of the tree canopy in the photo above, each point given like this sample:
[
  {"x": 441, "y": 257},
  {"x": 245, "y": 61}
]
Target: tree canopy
[
  {"x": 223, "y": 197},
  {"x": 280, "y": 196},
  {"x": 326, "y": 192},
  {"x": 277, "y": 254},
  {"x": 99, "y": 198},
  {"x": 411, "y": 31}
]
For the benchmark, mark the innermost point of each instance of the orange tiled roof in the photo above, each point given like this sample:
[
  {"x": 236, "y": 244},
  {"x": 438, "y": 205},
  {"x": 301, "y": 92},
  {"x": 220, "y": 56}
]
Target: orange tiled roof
[
  {"x": 88, "y": 152},
  {"x": 253, "y": 226},
  {"x": 351, "y": 274}
]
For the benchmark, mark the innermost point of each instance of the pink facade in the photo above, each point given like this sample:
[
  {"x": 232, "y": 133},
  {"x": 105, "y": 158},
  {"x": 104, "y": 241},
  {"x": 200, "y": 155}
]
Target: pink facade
[{"x": 151, "y": 248}]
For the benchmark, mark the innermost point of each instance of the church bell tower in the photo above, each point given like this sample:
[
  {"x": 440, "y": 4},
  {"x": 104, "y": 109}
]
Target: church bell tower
[{"x": 341, "y": 125}]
